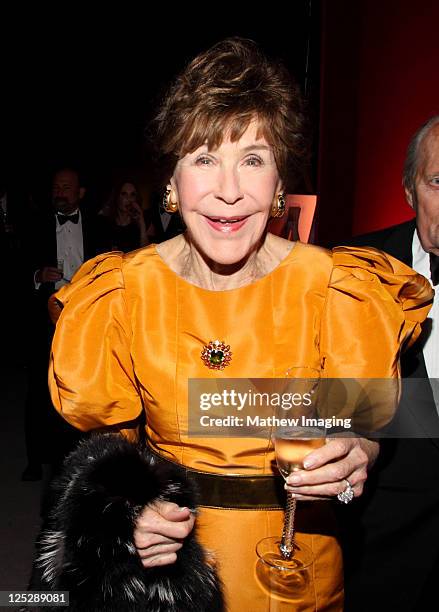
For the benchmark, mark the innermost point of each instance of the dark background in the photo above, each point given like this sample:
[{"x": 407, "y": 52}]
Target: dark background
[{"x": 80, "y": 90}]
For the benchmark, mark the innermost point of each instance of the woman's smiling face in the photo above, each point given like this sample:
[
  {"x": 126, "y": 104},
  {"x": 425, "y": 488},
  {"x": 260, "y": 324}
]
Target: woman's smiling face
[{"x": 225, "y": 195}]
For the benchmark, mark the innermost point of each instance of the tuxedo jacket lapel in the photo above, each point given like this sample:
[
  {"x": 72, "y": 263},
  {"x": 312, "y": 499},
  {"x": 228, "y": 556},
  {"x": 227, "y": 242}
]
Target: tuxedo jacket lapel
[
  {"x": 417, "y": 399},
  {"x": 88, "y": 237},
  {"x": 399, "y": 242}
]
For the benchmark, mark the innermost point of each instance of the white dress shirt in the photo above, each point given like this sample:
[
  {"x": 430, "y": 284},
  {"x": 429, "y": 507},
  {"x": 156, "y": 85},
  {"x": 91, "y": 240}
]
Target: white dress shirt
[
  {"x": 69, "y": 248},
  {"x": 421, "y": 263}
]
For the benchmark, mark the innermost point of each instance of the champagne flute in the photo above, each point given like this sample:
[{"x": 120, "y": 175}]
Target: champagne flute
[
  {"x": 284, "y": 557},
  {"x": 292, "y": 445}
]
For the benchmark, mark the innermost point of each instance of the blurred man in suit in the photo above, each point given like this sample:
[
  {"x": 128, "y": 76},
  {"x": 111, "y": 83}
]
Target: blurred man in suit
[
  {"x": 66, "y": 234},
  {"x": 391, "y": 533},
  {"x": 59, "y": 241}
]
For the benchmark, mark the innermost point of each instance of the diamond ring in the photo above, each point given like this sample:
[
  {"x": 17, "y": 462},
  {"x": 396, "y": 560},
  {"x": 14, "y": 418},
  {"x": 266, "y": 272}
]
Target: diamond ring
[{"x": 347, "y": 495}]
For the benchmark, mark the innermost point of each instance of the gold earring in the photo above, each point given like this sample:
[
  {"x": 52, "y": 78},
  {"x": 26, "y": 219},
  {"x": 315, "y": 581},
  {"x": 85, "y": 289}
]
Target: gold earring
[
  {"x": 278, "y": 207},
  {"x": 167, "y": 204}
]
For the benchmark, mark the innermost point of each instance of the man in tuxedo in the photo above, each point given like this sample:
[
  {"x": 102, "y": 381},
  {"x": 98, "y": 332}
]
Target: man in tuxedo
[
  {"x": 66, "y": 234},
  {"x": 58, "y": 243},
  {"x": 391, "y": 534}
]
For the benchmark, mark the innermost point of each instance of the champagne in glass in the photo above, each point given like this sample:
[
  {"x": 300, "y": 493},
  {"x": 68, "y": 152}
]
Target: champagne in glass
[
  {"x": 287, "y": 563},
  {"x": 293, "y": 445}
]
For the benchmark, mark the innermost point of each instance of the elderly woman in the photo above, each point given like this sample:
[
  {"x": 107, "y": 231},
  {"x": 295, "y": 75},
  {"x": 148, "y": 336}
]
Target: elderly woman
[{"x": 134, "y": 328}]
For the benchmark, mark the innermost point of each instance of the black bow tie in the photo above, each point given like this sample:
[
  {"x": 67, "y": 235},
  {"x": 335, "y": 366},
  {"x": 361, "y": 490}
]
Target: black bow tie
[
  {"x": 64, "y": 218},
  {"x": 434, "y": 268}
]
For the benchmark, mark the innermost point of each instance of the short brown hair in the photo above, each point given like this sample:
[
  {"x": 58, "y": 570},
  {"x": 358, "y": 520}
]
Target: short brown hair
[{"x": 221, "y": 91}]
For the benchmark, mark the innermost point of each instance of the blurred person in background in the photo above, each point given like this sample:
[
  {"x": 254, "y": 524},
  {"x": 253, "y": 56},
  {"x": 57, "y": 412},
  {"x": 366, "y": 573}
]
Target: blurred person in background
[
  {"x": 390, "y": 534},
  {"x": 124, "y": 224},
  {"x": 58, "y": 241}
]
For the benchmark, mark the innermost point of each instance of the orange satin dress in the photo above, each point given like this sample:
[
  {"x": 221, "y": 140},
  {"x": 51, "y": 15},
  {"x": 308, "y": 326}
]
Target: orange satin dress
[{"x": 130, "y": 336}]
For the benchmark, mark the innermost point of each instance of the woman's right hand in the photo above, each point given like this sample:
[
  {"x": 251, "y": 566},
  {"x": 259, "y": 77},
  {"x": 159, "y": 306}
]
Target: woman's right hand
[{"x": 159, "y": 532}]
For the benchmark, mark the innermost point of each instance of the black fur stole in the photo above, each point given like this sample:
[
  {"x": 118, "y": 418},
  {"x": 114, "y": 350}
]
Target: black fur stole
[{"x": 87, "y": 546}]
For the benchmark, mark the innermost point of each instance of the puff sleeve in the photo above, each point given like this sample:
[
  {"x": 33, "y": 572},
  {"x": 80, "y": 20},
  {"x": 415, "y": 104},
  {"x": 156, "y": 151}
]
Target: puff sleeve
[
  {"x": 91, "y": 376},
  {"x": 374, "y": 308}
]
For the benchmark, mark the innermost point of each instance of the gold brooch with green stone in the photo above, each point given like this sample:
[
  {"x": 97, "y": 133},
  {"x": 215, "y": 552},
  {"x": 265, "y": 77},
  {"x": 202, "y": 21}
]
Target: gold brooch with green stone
[{"x": 216, "y": 355}]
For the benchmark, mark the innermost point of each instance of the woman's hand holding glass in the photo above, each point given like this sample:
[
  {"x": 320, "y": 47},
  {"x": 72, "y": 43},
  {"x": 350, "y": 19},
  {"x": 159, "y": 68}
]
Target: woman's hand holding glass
[
  {"x": 327, "y": 468},
  {"x": 159, "y": 532}
]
